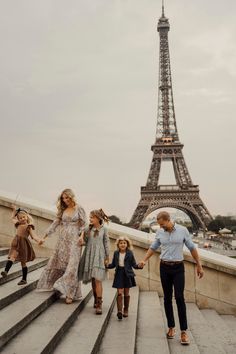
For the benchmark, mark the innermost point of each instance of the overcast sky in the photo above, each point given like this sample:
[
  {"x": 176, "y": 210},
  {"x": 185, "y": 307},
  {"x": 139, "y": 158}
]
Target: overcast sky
[{"x": 78, "y": 94}]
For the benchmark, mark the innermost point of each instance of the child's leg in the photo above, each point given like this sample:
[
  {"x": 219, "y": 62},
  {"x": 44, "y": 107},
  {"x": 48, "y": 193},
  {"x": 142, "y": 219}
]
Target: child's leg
[
  {"x": 98, "y": 288},
  {"x": 7, "y": 267},
  {"x": 24, "y": 274},
  {"x": 119, "y": 301},
  {"x": 94, "y": 291},
  {"x": 126, "y": 302},
  {"x": 99, "y": 297}
]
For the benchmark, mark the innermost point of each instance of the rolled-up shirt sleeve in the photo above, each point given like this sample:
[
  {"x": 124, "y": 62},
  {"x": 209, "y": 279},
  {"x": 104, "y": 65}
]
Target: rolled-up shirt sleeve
[
  {"x": 156, "y": 243},
  {"x": 188, "y": 241}
]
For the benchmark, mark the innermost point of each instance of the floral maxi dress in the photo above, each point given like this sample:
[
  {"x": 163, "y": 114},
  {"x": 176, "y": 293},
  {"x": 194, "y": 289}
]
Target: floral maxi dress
[{"x": 61, "y": 271}]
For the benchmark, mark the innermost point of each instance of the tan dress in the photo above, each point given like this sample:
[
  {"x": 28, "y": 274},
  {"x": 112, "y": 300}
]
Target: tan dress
[
  {"x": 61, "y": 271},
  {"x": 21, "y": 249}
]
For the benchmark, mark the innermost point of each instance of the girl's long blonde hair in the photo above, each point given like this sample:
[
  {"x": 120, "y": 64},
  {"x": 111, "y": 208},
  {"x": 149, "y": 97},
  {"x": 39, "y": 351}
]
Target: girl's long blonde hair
[
  {"x": 124, "y": 238},
  {"x": 61, "y": 206},
  {"x": 30, "y": 220}
]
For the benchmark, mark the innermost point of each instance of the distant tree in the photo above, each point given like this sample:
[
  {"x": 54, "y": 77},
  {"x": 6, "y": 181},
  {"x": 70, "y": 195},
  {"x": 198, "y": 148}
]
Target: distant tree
[
  {"x": 216, "y": 225},
  {"x": 228, "y": 221},
  {"x": 115, "y": 219}
]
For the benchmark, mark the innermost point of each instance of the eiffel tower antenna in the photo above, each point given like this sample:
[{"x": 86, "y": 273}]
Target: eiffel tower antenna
[{"x": 183, "y": 195}]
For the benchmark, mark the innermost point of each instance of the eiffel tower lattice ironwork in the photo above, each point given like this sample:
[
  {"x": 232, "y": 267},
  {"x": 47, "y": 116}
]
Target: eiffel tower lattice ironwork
[{"x": 184, "y": 195}]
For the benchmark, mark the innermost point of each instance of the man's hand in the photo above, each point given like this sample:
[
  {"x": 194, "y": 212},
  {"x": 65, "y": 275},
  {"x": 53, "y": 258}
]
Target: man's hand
[
  {"x": 141, "y": 264},
  {"x": 200, "y": 271}
]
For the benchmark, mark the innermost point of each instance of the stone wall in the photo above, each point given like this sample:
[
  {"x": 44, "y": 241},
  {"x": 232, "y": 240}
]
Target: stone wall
[{"x": 216, "y": 290}]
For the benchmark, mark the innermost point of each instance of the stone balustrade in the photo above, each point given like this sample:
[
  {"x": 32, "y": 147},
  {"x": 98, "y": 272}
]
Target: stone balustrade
[{"x": 216, "y": 290}]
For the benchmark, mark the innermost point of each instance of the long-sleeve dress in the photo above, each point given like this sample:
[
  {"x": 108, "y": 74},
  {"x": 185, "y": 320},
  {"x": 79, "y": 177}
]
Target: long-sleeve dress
[
  {"x": 21, "y": 249},
  {"x": 61, "y": 271},
  {"x": 96, "y": 250}
]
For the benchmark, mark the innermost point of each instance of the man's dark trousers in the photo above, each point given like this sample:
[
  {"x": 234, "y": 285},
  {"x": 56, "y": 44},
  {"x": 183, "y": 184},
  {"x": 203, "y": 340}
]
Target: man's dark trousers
[{"x": 173, "y": 276}]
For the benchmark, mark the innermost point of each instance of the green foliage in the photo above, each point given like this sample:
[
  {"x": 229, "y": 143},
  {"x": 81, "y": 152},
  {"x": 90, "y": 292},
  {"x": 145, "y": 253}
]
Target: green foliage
[
  {"x": 216, "y": 225},
  {"x": 115, "y": 219}
]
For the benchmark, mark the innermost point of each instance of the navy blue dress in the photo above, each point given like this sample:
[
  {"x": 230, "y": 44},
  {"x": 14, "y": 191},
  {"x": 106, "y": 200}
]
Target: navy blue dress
[{"x": 124, "y": 276}]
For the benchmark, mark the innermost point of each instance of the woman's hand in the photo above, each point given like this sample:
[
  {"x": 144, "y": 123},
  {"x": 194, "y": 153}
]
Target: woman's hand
[
  {"x": 81, "y": 241},
  {"x": 106, "y": 261},
  {"x": 41, "y": 241}
]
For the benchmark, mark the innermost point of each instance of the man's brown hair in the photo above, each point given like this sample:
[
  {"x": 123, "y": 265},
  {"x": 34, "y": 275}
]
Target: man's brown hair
[{"x": 164, "y": 215}]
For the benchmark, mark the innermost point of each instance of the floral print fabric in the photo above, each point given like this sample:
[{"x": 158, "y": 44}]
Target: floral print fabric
[{"x": 61, "y": 271}]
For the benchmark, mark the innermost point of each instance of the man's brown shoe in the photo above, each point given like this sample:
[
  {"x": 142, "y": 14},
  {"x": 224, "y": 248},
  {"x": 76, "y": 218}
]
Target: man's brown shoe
[
  {"x": 171, "y": 333},
  {"x": 184, "y": 339}
]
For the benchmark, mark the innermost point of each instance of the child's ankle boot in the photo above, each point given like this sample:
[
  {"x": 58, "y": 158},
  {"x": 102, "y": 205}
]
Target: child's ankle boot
[
  {"x": 119, "y": 301},
  {"x": 24, "y": 276},
  {"x": 99, "y": 306},
  {"x": 126, "y": 306}
]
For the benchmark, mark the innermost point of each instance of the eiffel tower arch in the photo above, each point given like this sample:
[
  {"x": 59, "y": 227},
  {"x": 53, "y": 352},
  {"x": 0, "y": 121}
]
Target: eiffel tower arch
[{"x": 184, "y": 195}]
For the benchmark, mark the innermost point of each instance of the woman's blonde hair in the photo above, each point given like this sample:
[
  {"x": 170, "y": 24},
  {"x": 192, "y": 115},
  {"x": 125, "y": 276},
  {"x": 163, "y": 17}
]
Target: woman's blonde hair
[
  {"x": 61, "y": 206},
  {"x": 124, "y": 238}
]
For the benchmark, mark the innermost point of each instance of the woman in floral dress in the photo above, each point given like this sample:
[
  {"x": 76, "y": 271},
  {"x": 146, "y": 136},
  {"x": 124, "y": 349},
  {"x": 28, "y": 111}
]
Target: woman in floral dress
[{"x": 61, "y": 271}]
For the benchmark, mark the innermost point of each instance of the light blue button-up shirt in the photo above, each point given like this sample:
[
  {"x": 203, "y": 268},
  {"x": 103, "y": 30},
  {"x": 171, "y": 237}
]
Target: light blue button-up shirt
[{"x": 172, "y": 243}]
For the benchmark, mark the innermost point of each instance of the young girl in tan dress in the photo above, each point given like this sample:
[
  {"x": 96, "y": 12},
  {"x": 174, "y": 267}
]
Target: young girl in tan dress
[{"x": 21, "y": 249}]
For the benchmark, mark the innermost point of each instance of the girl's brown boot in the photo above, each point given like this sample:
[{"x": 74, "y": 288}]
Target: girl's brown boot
[
  {"x": 99, "y": 306},
  {"x": 119, "y": 301},
  {"x": 126, "y": 306}
]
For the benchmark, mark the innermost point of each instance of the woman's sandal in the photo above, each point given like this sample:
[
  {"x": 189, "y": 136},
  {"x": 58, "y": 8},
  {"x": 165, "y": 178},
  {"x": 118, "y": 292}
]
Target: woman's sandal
[{"x": 69, "y": 300}]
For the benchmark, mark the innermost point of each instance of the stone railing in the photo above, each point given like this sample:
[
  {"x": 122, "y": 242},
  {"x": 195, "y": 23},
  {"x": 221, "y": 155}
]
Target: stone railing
[{"x": 217, "y": 289}]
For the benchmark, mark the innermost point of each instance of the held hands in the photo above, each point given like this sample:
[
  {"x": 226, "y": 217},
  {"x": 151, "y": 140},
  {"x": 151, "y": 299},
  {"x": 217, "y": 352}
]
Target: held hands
[
  {"x": 141, "y": 264},
  {"x": 106, "y": 262},
  {"x": 41, "y": 241},
  {"x": 81, "y": 241}
]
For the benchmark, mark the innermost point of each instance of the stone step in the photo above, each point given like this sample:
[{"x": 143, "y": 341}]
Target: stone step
[
  {"x": 15, "y": 317},
  {"x": 85, "y": 335},
  {"x": 175, "y": 346},
  {"x": 230, "y": 321},
  {"x": 10, "y": 291},
  {"x": 3, "y": 261},
  {"x": 16, "y": 271},
  {"x": 120, "y": 336},
  {"x": 221, "y": 330},
  {"x": 204, "y": 334},
  {"x": 4, "y": 251},
  {"x": 151, "y": 332},
  {"x": 45, "y": 331}
]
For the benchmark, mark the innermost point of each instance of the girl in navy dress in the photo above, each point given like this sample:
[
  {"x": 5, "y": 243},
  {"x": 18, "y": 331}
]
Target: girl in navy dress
[{"x": 123, "y": 261}]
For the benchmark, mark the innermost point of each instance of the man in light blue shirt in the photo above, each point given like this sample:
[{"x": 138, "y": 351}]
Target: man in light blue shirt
[{"x": 171, "y": 238}]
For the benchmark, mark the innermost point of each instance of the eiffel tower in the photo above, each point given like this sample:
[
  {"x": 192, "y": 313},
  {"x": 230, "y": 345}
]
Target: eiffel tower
[{"x": 184, "y": 195}]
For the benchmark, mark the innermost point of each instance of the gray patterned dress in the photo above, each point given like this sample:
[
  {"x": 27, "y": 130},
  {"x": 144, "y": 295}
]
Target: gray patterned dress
[
  {"x": 61, "y": 271},
  {"x": 96, "y": 250}
]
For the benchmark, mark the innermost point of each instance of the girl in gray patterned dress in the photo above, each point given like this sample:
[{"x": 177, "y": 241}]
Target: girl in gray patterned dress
[
  {"x": 61, "y": 271},
  {"x": 95, "y": 256}
]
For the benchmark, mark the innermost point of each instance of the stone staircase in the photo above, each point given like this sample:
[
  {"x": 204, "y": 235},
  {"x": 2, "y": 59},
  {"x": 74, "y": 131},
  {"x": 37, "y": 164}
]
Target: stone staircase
[{"x": 38, "y": 322}]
